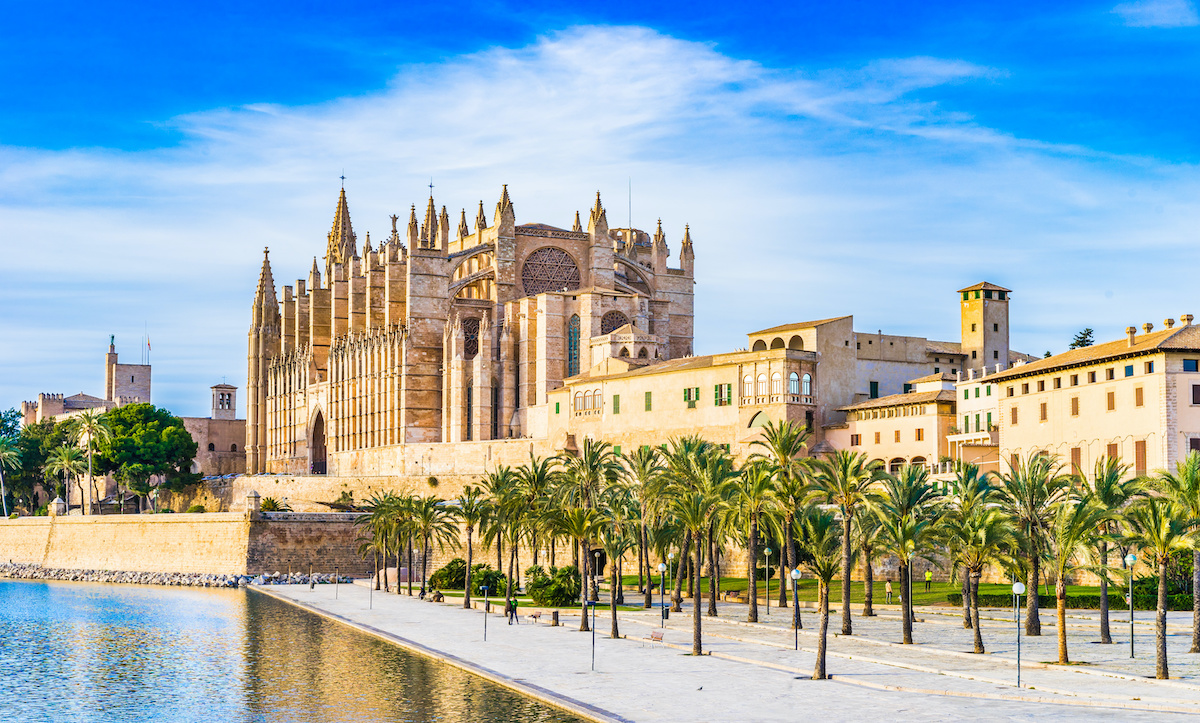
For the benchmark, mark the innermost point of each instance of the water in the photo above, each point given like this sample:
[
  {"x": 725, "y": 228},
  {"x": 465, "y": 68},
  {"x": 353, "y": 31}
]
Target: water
[{"x": 91, "y": 652}]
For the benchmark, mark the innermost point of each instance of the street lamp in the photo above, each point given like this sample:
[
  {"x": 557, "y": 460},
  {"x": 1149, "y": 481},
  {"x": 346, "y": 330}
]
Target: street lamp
[
  {"x": 670, "y": 562},
  {"x": 796, "y": 605},
  {"x": 595, "y": 585},
  {"x": 1018, "y": 589},
  {"x": 1129, "y": 560},
  {"x": 485, "y": 608},
  {"x": 592, "y": 605},
  {"x": 767, "y": 551},
  {"x": 662, "y": 569}
]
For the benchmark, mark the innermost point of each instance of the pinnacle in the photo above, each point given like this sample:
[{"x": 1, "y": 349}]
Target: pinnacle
[
  {"x": 578, "y": 227},
  {"x": 480, "y": 218}
]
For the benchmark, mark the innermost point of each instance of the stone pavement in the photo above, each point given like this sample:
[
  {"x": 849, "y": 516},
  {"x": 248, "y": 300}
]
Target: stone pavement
[{"x": 754, "y": 674}]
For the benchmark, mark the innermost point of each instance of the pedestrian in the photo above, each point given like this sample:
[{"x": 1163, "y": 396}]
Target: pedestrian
[
  {"x": 511, "y": 610},
  {"x": 928, "y": 579},
  {"x": 888, "y": 587}
]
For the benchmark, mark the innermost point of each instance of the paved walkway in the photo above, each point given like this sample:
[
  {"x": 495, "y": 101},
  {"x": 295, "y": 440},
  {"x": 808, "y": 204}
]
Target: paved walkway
[{"x": 754, "y": 674}]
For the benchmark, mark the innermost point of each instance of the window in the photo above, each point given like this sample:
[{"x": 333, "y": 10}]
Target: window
[
  {"x": 1058, "y": 382},
  {"x": 907, "y": 387},
  {"x": 987, "y": 293},
  {"x": 988, "y": 391},
  {"x": 1010, "y": 391},
  {"x": 578, "y": 403},
  {"x": 806, "y": 385},
  {"x": 1113, "y": 451},
  {"x": 966, "y": 295},
  {"x": 794, "y": 383},
  {"x": 616, "y": 404},
  {"x": 856, "y": 440},
  {"x": 649, "y": 404},
  {"x": 874, "y": 390},
  {"x": 556, "y": 405},
  {"x": 573, "y": 345},
  {"x": 976, "y": 422},
  {"x": 1194, "y": 444},
  {"x": 897, "y": 437},
  {"x": 1189, "y": 365},
  {"x": 920, "y": 435},
  {"x": 1138, "y": 397},
  {"x": 691, "y": 395},
  {"x": 1149, "y": 367},
  {"x": 233, "y": 448},
  {"x": 1139, "y": 457},
  {"x": 974, "y": 353},
  {"x": 762, "y": 385},
  {"x": 747, "y": 386},
  {"x": 996, "y": 327},
  {"x": 616, "y": 451},
  {"x": 1128, "y": 370},
  {"x": 1042, "y": 412},
  {"x": 972, "y": 327},
  {"x": 1076, "y": 460},
  {"x": 1074, "y": 380},
  {"x": 1014, "y": 461},
  {"x": 723, "y": 395},
  {"x": 1000, "y": 295},
  {"x": 966, "y": 424},
  {"x": 1013, "y": 415},
  {"x": 1074, "y": 406},
  {"x": 1112, "y": 401},
  {"x": 1091, "y": 377},
  {"x": 966, "y": 394},
  {"x": 937, "y": 370},
  {"x": 1110, "y": 374},
  {"x": 212, "y": 447},
  {"x": 995, "y": 353},
  {"x": 1025, "y": 388},
  {"x": 977, "y": 392},
  {"x": 989, "y": 421},
  {"x": 877, "y": 438},
  {"x": 777, "y": 383},
  {"x": 1041, "y": 385},
  {"x": 1196, "y": 394}
]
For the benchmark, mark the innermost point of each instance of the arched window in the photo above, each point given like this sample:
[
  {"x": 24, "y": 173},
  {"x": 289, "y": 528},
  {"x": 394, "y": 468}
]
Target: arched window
[
  {"x": 918, "y": 462},
  {"x": 643, "y": 354},
  {"x": 793, "y": 383},
  {"x": 578, "y": 402},
  {"x": 777, "y": 343},
  {"x": 624, "y": 351},
  {"x": 612, "y": 321},
  {"x": 895, "y": 465},
  {"x": 760, "y": 345},
  {"x": 806, "y": 385},
  {"x": 762, "y": 385},
  {"x": 596, "y": 400},
  {"x": 470, "y": 327},
  {"x": 233, "y": 448},
  {"x": 212, "y": 447},
  {"x": 747, "y": 386},
  {"x": 573, "y": 345},
  {"x": 777, "y": 383}
]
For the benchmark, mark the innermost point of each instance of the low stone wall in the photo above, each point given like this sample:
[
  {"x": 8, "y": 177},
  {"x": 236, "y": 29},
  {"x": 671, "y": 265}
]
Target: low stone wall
[{"x": 209, "y": 543}]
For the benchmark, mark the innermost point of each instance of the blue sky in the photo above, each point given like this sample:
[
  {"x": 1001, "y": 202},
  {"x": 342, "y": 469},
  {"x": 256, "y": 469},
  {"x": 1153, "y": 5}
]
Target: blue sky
[{"x": 856, "y": 157}]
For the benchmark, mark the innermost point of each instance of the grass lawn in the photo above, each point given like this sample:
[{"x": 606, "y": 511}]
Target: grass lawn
[
  {"x": 526, "y": 601},
  {"x": 808, "y": 590}
]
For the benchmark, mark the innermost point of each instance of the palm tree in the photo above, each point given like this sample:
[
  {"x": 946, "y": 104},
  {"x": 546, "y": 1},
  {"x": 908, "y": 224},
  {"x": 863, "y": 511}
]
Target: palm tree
[
  {"x": 536, "y": 480},
  {"x": 1111, "y": 487},
  {"x": 907, "y": 511},
  {"x": 90, "y": 427},
  {"x": 10, "y": 456},
  {"x": 581, "y": 524},
  {"x": 1028, "y": 493},
  {"x": 819, "y": 539},
  {"x": 434, "y": 522},
  {"x": 755, "y": 494},
  {"x": 616, "y": 537},
  {"x": 1072, "y": 531},
  {"x": 979, "y": 535},
  {"x": 969, "y": 492},
  {"x": 866, "y": 536},
  {"x": 679, "y": 458},
  {"x": 1182, "y": 488},
  {"x": 473, "y": 508},
  {"x": 784, "y": 445},
  {"x": 586, "y": 474},
  {"x": 844, "y": 479},
  {"x": 67, "y": 461},
  {"x": 380, "y": 521},
  {"x": 644, "y": 473},
  {"x": 1157, "y": 528}
]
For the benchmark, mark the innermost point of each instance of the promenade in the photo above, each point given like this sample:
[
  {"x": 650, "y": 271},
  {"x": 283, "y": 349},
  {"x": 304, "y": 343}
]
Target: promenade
[{"x": 753, "y": 672}]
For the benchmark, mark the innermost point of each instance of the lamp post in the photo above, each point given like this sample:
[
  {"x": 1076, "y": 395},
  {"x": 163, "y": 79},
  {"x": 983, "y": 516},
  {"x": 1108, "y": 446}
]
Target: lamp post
[
  {"x": 592, "y": 605},
  {"x": 336, "y": 574},
  {"x": 662, "y": 569},
  {"x": 796, "y": 605},
  {"x": 595, "y": 583},
  {"x": 1129, "y": 560},
  {"x": 670, "y": 562},
  {"x": 1018, "y": 589},
  {"x": 767, "y": 552},
  {"x": 485, "y": 609}
]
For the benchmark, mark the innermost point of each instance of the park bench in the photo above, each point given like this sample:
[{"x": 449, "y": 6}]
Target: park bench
[{"x": 656, "y": 636}]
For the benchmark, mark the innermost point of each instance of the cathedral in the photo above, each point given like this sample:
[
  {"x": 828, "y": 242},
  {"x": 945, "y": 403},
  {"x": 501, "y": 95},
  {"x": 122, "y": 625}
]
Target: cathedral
[{"x": 446, "y": 334}]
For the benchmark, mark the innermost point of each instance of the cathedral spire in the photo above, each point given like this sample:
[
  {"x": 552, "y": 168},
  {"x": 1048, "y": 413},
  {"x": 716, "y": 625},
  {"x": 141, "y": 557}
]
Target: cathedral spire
[
  {"x": 264, "y": 297},
  {"x": 429, "y": 227},
  {"x": 578, "y": 227},
  {"x": 314, "y": 276},
  {"x": 341, "y": 246},
  {"x": 463, "y": 229},
  {"x": 413, "y": 231},
  {"x": 367, "y": 246},
  {"x": 480, "y": 219}
]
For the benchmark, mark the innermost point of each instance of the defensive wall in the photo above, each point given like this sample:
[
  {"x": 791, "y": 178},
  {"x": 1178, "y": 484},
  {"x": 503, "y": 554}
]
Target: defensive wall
[{"x": 219, "y": 543}]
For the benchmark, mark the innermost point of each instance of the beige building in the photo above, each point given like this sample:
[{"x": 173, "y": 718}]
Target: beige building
[
  {"x": 221, "y": 438},
  {"x": 910, "y": 428},
  {"x": 123, "y": 384},
  {"x": 1137, "y": 398}
]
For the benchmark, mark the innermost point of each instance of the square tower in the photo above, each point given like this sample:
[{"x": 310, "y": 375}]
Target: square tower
[
  {"x": 224, "y": 401},
  {"x": 984, "y": 326}
]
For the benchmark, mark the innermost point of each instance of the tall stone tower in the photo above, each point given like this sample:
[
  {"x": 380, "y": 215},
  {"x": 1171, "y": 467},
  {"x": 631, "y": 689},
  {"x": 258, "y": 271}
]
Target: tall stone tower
[
  {"x": 984, "y": 326},
  {"x": 263, "y": 347}
]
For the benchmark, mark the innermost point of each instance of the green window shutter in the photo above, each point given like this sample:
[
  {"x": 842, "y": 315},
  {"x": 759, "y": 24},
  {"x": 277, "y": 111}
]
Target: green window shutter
[
  {"x": 989, "y": 420},
  {"x": 717, "y": 395},
  {"x": 617, "y": 405},
  {"x": 648, "y": 401},
  {"x": 617, "y": 450},
  {"x": 556, "y": 404}
]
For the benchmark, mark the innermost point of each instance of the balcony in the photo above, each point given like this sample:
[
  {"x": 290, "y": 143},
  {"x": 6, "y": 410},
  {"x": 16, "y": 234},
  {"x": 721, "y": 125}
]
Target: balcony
[{"x": 760, "y": 399}]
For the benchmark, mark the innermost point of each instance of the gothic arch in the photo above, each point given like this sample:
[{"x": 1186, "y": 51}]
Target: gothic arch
[
  {"x": 317, "y": 450},
  {"x": 549, "y": 269}
]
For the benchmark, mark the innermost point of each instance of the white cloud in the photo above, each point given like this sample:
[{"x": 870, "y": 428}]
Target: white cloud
[
  {"x": 810, "y": 192},
  {"x": 1158, "y": 14}
]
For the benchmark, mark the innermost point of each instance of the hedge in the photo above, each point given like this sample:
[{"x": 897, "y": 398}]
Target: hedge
[{"x": 1116, "y": 601}]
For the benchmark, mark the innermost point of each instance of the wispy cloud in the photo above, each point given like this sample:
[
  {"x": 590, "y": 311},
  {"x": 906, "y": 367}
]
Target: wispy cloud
[
  {"x": 810, "y": 192},
  {"x": 1158, "y": 14}
]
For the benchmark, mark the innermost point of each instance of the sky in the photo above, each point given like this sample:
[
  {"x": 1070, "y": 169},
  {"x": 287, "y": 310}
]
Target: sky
[{"x": 865, "y": 158}]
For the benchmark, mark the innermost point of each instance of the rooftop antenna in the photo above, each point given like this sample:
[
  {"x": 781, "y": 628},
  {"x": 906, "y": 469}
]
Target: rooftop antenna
[{"x": 631, "y": 206}]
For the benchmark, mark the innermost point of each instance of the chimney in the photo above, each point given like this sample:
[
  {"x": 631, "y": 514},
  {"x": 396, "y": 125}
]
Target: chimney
[
  {"x": 1168, "y": 323},
  {"x": 1148, "y": 327},
  {"x": 1131, "y": 331},
  {"x": 1186, "y": 319}
]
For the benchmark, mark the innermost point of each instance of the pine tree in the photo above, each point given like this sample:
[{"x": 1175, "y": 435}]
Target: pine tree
[{"x": 1087, "y": 337}]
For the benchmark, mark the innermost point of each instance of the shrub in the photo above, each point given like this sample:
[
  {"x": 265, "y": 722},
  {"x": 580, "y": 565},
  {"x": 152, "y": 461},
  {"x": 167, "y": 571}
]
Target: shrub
[
  {"x": 484, "y": 575},
  {"x": 42, "y": 511},
  {"x": 1116, "y": 601},
  {"x": 270, "y": 504},
  {"x": 452, "y": 576},
  {"x": 199, "y": 508},
  {"x": 432, "y": 481},
  {"x": 13, "y": 516},
  {"x": 165, "y": 511},
  {"x": 560, "y": 588}
]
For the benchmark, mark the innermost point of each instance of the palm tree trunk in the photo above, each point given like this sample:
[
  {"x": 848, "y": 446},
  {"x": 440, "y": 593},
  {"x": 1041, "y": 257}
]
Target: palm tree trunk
[
  {"x": 648, "y": 602},
  {"x": 424, "y": 562},
  {"x": 972, "y": 578},
  {"x": 641, "y": 556},
  {"x": 968, "y": 621},
  {"x": 409, "y": 575},
  {"x": 3, "y": 492},
  {"x": 819, "y": 669},
  {"x": 499, "y": 551},
  {"x": 375, "y": 555},
  {"x": 585, "y": 560},
  {"x": 467, "y": 583},
  {"x": 1060, "y": 611},
  {"x": 1033, "y": 623},
  {"x": 612, "y": 601},
  {"x": 88, "y": 509},
  {"x": 508, "y": 584},
  {"x": 1160, "y": 623},
  {"x": 677, "y": 599},
  {"x": 712, "y": 572},
  {"x": 789, "y": 548},
  {"x": 868, "y": 584},
  {"x": 551, "y": 550},
  {"x": 695, "y": 601},
  {"x": 847, "y": 628},
  {"x": 906, "y": 607},
  {"x": 1105, "y": 635},
  {"x": 752, "y": 573},
  {"x": 1195, "y": 601}
]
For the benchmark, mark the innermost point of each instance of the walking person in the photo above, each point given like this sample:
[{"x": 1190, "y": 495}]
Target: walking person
[
  {"x": 888, "y": 587},
  {"x": 512, "y": 612},
  {"x": 928, "y": 579}
]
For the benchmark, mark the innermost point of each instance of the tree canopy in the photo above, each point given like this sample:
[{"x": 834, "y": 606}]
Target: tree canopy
[
  {"x": 147, "y": 441},
  {"x": 1087, "y": 337}
]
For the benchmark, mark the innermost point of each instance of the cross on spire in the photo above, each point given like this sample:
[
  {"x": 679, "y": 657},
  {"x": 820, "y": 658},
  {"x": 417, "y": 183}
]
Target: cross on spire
[
  {"x": 343, "y": 177},
  {"x": 431, "y": 187}
]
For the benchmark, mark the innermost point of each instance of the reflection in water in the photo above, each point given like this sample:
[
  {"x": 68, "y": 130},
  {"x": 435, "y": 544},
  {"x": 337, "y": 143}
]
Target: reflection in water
[{"x": 91, "y": 652}]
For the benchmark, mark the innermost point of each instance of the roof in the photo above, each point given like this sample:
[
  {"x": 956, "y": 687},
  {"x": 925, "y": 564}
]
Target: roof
[
  {"x": 985, "y": 285},
  {"x": 1181, "y": 338},
  {"x": 543, "y": 226},
  {"x": 628, "y": 328},
  {"x": 939, "y": 377},
  {"x": 943, "y": 347},
  {"x": 896, "y": 400},
  {"x": 670, "y": 365},
  {"x": 798, "y": 325}
]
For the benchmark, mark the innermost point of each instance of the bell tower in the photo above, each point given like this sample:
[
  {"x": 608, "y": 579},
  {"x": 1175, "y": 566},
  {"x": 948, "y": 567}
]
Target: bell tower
[{"x": 984, "y": 312}]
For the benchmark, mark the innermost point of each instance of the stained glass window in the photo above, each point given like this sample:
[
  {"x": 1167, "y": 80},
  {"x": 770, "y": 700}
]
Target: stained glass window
[
  {"x": 573, "y": 346},
  {"x": 470, "y": 327},
  {"x": 612, "y": 321},
  {"x": 549, "y": 269}
]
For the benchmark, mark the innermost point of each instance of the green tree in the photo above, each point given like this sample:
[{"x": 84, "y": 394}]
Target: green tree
[
  {"x": 90, "y": 429},
  {"x": 1182, "y": 488},
  {"x": 979, "y": 535},
  {"x": 10, "y": 457},
  {"x": 1087, "y": 337},
  {"x": 10, "y": 422},
  {"x": 908, "y": 512},
  {"x": 581, "y": 524},
  {"x": 1114, "y": 489},
  {"x": 68, "y": 462},
  {"x": 1073, "y": 530},
  {"x": 145, "y": 442},
  {"x": 783, "y": 445},
  {"x": 473, "y": 508},
  {"x": 35, "y": 443},
  {"x": 434, "y": 523},
  {"x": 755, "y": 496},
  {"x": 844, "y": 479},
  {"x": 969, "y": 493},
  {"x": 1159, "y": 531},
  {"x": 818, "y": 536},
  {"x": 643, "y": 475}
]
